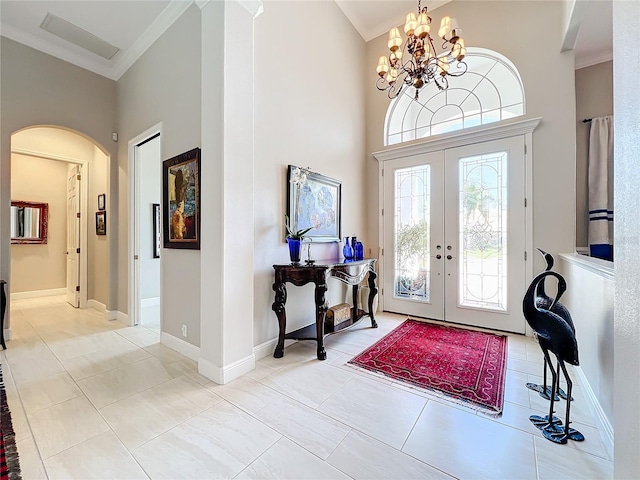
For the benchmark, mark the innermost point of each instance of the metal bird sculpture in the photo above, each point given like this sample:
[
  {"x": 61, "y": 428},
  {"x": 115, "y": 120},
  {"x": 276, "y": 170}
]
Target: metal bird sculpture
[
  {"x": 545, "y": 301},
  {"x": 556, "y": 336}
]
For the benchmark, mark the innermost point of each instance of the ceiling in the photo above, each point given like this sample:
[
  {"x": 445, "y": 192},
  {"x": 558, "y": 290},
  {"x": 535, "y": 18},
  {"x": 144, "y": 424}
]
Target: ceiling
[{"x": 133, "y": 25}]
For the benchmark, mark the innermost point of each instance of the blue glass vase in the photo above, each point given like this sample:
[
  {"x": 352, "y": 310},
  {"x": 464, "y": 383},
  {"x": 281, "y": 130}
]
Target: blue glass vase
[
  {"x": 294, "y": 250},
  {"x": 359, "y": 250},
  {"x": 347, "y": 251}
]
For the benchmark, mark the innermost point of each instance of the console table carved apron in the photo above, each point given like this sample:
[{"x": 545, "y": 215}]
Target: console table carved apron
[
  {"x": 3, "y": 307},
  {"x": 351, "y": 273}
]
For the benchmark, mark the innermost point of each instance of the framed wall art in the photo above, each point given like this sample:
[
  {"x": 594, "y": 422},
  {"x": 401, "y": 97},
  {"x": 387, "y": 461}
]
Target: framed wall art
[
  {"x": 156, "y": 236},
  {"x": 101, "y": 223},
  {"x": 181, "y": 200},
  {"x": 102, "y": 201},
  {"x": 315, "y": 203}
]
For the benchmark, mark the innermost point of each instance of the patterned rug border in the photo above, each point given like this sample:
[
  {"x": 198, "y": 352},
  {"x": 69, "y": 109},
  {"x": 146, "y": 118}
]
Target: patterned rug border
[
  {"x": 8, "y": 435},
  {"x": 439, "y": 394}
]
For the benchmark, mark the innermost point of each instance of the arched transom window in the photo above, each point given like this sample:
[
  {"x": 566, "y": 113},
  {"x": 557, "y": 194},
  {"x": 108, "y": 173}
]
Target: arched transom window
[{"x": 491, "y": 90}]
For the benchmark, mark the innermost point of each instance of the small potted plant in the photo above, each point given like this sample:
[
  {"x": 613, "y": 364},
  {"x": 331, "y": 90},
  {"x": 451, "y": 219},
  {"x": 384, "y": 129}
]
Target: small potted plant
[{"x": 294, "y": 239}]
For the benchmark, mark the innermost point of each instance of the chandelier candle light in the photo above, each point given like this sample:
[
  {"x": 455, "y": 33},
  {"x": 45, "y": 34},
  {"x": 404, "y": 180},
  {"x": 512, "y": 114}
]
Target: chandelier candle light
[{"x": 422, "y": 64}]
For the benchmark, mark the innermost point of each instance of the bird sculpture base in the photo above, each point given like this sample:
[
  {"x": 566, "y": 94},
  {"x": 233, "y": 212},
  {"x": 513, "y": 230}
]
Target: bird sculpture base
[
  {"x": 543, "y": 422},
  {"x": 558, "y": 434},
  {"x": 546, "y": 394}
]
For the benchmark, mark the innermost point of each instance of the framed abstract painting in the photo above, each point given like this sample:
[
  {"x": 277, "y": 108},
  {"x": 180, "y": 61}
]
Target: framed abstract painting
[{"x": 315, "y": 202}]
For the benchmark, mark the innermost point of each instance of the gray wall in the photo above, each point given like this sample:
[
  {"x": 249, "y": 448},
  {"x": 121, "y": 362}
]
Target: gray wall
[
  {"x": 594, "y": 98},
  {"x": 164, "y": 86},
  {"x": 38, "y": 89},
  {"x": 40, "y": 267},
  {"x": 310, "y": 118},
  {"x": 512, "y": 29},
  {"x": 626, "y": 103}
]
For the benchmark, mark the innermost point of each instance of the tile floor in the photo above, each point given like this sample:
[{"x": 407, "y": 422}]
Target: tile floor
[{"x": 92, "y": 398}]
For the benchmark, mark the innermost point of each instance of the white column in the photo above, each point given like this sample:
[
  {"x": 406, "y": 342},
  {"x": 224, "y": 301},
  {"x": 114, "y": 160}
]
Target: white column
[{"x": 227, "y": 246}]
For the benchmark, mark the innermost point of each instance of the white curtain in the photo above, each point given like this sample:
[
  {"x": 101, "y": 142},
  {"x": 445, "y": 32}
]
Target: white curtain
[{"x": 601, "y": 188}]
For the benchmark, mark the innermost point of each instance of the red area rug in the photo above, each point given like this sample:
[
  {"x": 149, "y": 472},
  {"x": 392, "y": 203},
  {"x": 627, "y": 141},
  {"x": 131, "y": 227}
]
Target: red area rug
[
  {"x": 466, "y": 365},
  {"x": 9, "y": 464}
]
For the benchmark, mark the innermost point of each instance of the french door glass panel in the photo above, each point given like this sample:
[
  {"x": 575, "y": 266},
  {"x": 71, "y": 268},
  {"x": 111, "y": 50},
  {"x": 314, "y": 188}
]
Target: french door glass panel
[
  {"x": 413, "y": 234},
  {"x": 454, "y": 235}
]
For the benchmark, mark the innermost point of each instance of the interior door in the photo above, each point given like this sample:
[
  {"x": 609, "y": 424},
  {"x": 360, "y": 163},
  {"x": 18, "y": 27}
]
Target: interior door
[
  {"x": 454, "y": 235},
  {"x": 413, "y": 236},
  {"x": 73, "y": 235},
  {"x": 484, "y": 228}
]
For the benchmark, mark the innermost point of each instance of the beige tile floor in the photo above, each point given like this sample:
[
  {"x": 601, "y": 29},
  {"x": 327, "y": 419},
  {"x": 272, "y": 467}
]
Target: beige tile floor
[{"x": 92, "y": 398}]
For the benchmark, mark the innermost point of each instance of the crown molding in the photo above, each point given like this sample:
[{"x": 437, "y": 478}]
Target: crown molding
[
  {"x": 57, "y": 51},
  {"x": 592, "y": 60},
  {"x": 122, "y": 61},
  {"x": 169, "y": 15}
]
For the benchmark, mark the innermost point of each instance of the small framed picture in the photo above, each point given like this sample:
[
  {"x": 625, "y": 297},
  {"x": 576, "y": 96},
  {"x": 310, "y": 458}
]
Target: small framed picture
[
  {"x": 101, "y": 223},
  {"x": 101, "y": 201}
]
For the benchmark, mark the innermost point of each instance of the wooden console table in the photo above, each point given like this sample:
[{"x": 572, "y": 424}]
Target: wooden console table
[
  {"x": 349, "y": 272},
  {"x": 3, "y": 307}
]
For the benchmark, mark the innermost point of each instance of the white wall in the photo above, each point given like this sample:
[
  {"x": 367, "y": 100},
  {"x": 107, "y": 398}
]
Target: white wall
[
  {"x": 164, "y": 86},
  {"x": 512, "y": 29},
  {"x": 594, "y": 98},
  {"x": 40, "y": 267},
  {"x": 305, "y": 115},
  {"x": 626, "y": 105},
  {"x": 589, "y": 298},
  {"x": 150, "y": 192}
]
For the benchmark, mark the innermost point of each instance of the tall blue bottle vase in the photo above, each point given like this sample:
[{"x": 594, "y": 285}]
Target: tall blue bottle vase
[
  {"x": 347, "y": 250},
  {"x": 294, "y": 250}
]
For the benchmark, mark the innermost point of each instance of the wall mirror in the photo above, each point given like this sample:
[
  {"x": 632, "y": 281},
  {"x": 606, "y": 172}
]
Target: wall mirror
[{"x": 29, "y": 222}]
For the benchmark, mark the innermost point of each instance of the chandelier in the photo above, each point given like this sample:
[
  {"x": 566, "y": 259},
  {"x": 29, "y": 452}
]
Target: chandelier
[{"x": 416, "y": 63}]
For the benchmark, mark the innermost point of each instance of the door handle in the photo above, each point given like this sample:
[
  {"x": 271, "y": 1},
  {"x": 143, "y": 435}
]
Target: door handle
[
  {"x": 438, "y": 256},
  {"x": 449, "y": 257}
]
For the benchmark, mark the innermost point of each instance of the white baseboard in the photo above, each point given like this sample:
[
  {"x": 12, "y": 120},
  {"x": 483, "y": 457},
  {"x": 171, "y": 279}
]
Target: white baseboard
[
  {"x": 225, "y": 374},
  {"x": 150, "y": 302},
  {"x": 95, "y": 304},
  {"x": 607, "y": 428},
  {"x": 265, "y": 349},
  {"x": 180, "y": 346},
  {"x": 52, "y": 292},
  {"x": 111, "y": 314}
]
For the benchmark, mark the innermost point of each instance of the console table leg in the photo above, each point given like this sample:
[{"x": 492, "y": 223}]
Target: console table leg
[
  {"x": 278, "y": 308},
  {"x": 373, "y": 291},
  {"x": 321, "y": 311},
  {"x": 3, "y": 307}
]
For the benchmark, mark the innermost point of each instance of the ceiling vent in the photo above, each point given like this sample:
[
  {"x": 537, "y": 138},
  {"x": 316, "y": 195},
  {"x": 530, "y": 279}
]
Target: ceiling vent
[{"x": 74, "y": 34}]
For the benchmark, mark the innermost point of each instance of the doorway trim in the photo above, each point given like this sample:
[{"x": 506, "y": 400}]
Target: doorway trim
[
  {"x": 84, "y": 209},
  {"x": 462, "y": 138},
  {"x": 134, "y": 301}
]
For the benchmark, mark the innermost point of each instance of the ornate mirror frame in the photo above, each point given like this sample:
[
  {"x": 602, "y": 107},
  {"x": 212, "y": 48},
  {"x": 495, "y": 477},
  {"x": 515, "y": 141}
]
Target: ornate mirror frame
[{"x": 44, "y": 220}]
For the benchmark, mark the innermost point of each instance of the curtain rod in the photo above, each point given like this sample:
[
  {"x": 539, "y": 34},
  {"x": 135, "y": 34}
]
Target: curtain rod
[{"x": 587, "y": 120}]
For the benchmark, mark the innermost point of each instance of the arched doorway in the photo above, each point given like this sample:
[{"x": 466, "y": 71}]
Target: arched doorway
[{"x": 69, "y": 172}]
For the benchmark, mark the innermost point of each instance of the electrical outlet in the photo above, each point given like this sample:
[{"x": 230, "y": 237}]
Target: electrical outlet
[{"x": 184, "y": 331}]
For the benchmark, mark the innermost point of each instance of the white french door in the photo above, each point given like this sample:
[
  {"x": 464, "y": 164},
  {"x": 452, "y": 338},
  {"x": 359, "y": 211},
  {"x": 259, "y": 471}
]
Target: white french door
[{"x": 454, "y": 235}]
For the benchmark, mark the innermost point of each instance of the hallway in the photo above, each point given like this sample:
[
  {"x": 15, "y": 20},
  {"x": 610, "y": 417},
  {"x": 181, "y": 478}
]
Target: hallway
[{"x": 92, "y": 398}]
